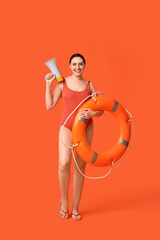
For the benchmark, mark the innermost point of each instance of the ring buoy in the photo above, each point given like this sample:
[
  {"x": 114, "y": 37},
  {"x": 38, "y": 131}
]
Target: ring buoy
[{"x": 102, "y": 103}]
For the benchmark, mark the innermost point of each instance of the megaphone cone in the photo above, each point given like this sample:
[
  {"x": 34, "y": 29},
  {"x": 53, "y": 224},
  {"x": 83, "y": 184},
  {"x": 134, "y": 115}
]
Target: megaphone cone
[{"x": 51, "y": 64}]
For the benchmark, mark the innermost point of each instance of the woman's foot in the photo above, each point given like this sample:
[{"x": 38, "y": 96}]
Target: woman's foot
[
  {"x": 76, "y": 216},
  {"x": 62, "y": 213}
]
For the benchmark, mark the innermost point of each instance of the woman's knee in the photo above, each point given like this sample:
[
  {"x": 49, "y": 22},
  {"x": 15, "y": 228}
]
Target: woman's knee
[{"x": 64, "y": 166}]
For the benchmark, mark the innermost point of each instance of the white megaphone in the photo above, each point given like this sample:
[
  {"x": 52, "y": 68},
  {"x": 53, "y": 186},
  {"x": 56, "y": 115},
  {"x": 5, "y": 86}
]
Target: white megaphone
[{"x": 51, "y": 64}]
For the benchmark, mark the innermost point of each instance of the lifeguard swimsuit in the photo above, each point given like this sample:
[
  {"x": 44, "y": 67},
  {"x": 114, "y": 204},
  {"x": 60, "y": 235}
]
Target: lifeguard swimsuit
[{"x": 70, "y": 100}]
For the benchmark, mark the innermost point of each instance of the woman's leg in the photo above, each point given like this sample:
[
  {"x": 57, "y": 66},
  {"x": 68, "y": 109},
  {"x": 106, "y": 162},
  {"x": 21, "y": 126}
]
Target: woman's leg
[
  {"x": 78, "y": 178},
  {"x": 65, "y": 155}
]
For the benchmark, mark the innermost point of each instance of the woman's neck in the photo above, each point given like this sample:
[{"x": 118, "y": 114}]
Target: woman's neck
[{"x": 77, "y": 78}]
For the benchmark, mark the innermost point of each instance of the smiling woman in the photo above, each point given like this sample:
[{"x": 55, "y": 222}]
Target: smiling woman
[{"x": 72, "y": 90}]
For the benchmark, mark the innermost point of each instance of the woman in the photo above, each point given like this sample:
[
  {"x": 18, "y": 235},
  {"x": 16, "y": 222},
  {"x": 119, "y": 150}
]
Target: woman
[{"x": 72, "y": 90}]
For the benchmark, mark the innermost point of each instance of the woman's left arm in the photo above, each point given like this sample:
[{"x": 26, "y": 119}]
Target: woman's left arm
[{"x": 88, "y": 113}]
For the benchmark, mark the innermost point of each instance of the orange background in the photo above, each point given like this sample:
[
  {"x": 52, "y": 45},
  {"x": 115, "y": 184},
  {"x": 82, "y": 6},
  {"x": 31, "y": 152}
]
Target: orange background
[{"x": 120, "y": 41}]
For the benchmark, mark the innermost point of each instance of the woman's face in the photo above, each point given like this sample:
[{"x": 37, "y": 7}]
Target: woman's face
[{"x": 77, "y": 66}]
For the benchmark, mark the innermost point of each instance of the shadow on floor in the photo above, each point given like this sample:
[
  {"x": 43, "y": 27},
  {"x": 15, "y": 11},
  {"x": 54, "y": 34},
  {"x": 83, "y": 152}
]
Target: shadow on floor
[{"x": 127, "y": 201}]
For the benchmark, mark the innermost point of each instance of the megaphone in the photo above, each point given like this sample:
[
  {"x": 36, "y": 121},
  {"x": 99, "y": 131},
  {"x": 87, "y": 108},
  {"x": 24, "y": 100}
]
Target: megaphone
[{"x": 51, "y": 64}]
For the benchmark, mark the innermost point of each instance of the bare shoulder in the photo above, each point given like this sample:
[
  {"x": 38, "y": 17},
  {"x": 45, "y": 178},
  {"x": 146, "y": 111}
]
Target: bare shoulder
[
  {"x": 68, "y": 78},
  {"x": 92, "y": 87}
]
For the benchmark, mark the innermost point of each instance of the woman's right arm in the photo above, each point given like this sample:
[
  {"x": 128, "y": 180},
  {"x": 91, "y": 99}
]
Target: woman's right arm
[{"x": 52, "y": 99}]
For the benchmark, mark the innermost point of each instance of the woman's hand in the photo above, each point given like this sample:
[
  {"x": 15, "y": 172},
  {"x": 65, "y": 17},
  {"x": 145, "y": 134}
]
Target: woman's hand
[
  {"x": 87, "y": 113},
  {"x": 50, "y": 77}
]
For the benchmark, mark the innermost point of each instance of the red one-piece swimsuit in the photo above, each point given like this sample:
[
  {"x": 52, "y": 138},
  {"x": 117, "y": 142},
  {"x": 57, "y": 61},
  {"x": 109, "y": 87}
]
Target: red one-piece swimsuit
[{"x": 70, "y": 100}]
